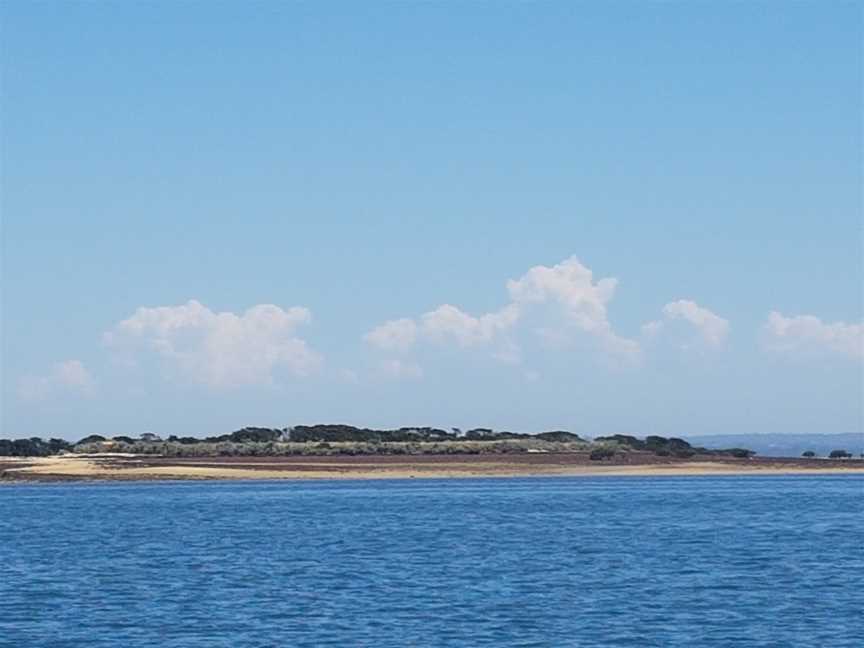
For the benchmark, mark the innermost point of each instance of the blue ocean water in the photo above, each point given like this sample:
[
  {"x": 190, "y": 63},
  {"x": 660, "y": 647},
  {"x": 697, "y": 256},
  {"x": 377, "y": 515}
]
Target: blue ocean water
[{"x": 700, "y": 561}]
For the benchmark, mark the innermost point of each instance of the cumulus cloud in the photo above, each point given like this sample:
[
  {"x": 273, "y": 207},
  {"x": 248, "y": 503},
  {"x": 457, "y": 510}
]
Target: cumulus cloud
[
  {"x": 219, "y": 349},
  {"x": 584, "y": 301},
  {"x": 808, "y": 332},
  {"x": 572, "y": 285},
  {"x": 569, "y": 284},
  {"x": 448, "y": 323},
  {"x": 395, "y": 335},
  {"x": 68, "y": 377},
  {"x": 713, "y": 329}
]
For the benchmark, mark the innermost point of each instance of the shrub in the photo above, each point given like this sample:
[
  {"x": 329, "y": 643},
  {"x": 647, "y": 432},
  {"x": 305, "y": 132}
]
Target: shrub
[
  {"x": 626, "y": 440},
  {"x": 93, "y": 438},
  {"x": 740, "y": 453},
  {"x": 840, "y": 454},
  {"x": 809, "y": 454},
  {"x": 559, "y": 436},
  {"x": 599, "y": 454}
]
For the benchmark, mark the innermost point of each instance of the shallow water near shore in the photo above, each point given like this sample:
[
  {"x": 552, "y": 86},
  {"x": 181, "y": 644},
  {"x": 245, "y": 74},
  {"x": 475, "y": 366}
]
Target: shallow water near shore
[{"x": 614, "y": 561}]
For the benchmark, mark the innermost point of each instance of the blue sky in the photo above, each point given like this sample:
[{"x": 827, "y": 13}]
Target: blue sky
[{"x": 344, "y": 190}]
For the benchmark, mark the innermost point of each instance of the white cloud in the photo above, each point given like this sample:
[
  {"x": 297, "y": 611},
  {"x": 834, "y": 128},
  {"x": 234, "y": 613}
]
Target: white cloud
[
  {"x": 808, "y": 332},
  {"x": 219, "y": 349},
  {"x": 449, "y": 323},
  {"x": 572, "y": 285},
  {"x": 70, "y": 376},
  {"x": 395, "y": 335},
  {"x": 569, "y": 284},
  {"x": 713, "y": 328}
]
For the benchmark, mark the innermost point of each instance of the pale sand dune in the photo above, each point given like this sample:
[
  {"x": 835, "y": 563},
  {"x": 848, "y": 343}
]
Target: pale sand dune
[{"x": 131, "y": 468}]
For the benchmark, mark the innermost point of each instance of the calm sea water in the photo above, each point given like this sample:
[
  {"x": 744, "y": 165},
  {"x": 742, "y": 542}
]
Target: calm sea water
[{"x": 749, "y": 561}]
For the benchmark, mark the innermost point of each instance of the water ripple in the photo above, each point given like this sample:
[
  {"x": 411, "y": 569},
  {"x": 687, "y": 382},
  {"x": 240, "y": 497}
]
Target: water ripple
[{"x": 526, "y": 562}]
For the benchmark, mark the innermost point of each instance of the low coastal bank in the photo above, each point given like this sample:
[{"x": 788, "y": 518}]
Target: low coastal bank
[{"x": 128, "y": 467}]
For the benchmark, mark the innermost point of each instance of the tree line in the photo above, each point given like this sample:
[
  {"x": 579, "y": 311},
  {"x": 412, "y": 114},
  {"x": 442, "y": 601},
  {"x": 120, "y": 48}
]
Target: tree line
[
  {"x": 834, "y": 454},
  {"x": 264, "y": 441},
  {"x": 671, "y": 447},
  {"x": 404, "y": 440},
  {"x": 248, "y": 436}
]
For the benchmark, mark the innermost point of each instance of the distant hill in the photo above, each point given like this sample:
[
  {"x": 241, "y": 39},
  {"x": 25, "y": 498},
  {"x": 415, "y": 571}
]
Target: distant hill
[{"x": 783, "y": 445}]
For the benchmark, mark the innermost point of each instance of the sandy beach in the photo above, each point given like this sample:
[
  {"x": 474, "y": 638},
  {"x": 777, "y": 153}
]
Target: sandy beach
[{"x": 114, "y": 467}]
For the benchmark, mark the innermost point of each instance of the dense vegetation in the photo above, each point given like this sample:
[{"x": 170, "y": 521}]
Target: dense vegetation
[
  {"x": 346, "y": 439},
  {"x": 670, "y": 447},
  {"x": 33, "y": 447},
  {"x": 342, "y": 440}
]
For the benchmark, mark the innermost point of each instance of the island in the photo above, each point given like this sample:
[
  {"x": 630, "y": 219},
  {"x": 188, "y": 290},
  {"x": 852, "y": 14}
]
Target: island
[{"x": 348, "y": 452}]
